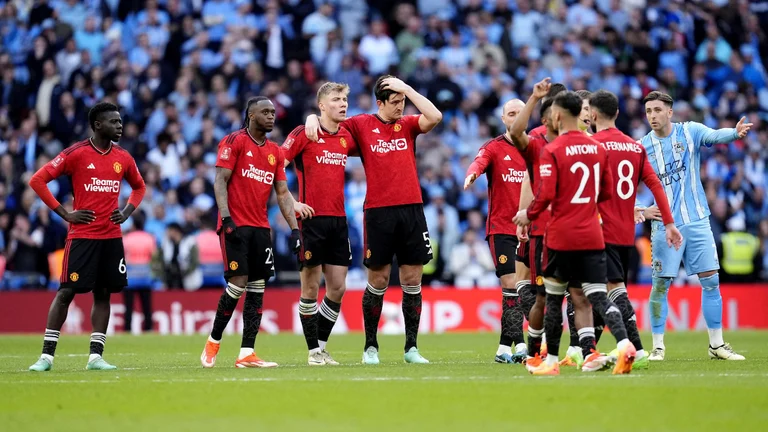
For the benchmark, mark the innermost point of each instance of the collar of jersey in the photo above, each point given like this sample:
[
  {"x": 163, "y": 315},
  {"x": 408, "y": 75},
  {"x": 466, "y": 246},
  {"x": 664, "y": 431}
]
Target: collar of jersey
[
  {"x": 385, "y": 122},
  {"x": 329, "y": 132},
  {"x": 254, "y": 139},
  {"x": 506, "y": 140},
  {"x": 90, "y": 141}
]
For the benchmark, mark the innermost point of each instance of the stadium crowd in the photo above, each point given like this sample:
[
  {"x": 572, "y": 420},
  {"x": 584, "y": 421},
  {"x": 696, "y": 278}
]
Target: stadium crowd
[{"x": 181, "y": 70}]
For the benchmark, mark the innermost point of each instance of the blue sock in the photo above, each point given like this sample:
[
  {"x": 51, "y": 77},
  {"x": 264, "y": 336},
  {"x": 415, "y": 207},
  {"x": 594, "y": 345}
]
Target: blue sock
[
  {"x": 711, "y": 301},
  {"x": 658, "y": 303}
]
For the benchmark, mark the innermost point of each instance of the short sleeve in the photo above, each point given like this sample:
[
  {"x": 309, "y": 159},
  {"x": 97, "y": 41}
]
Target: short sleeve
[
  {"x": 294, "y": 144},
  {"x": 280, "y": 167},
  {"x": 227, "y": 156},
  {"x": 411, "y": 124},
  {"x": 59, "y": 165},
  {"x": 352, "y": 124}
]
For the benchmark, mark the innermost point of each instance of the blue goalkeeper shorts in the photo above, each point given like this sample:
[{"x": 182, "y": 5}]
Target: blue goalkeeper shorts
[{"x": 698, "y": 252}]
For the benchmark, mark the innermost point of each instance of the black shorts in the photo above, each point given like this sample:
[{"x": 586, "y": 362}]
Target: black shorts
[
  {"x": 535, "y": 253},
  {"x": 618, "y": 262},
  {"x": 522, "y": 255},
  {"x": 576, "y": 267},
  {"x": 249, "y": 253},
  {"x": 325, "y": 240},
  {"x": 396, "y": 231},
  {"x": 94, "y": 264},
  {"x": 503, "y": 247}
]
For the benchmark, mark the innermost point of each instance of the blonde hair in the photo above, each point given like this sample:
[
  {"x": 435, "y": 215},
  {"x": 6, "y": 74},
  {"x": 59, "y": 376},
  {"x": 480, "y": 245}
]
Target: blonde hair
[{"x": 331, "y": 87}]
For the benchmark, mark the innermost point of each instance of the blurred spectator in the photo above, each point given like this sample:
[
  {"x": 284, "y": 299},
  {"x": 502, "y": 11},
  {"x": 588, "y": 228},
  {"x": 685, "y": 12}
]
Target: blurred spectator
[
  {"x": 140, "y": 246},
  {"x": 472, "y": 263},
  {"x": 179, "y": 258}
]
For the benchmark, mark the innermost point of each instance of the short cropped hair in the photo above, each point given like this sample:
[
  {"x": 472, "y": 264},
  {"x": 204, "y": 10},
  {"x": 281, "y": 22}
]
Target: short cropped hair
[
  {"x": 659, "y": 96},
  {"x": 605, "y": 102},
  {"x": 569, "y": 101},
  {"x": 331, "y": 87},
  {"x": 98, "y": 110}
]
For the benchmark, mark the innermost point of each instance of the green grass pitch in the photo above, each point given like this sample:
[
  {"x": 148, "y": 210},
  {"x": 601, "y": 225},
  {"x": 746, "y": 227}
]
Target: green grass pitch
[{"x": 161, "y": 387}]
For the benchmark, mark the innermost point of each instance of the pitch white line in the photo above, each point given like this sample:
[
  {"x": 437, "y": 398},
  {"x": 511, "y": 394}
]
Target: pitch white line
[{"x": 385, "y": 379}]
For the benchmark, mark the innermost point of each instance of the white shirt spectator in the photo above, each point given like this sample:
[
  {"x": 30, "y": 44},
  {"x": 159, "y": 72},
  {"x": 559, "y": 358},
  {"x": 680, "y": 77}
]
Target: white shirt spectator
[
  {"x": 275, "y": 57},
  {"x": 472, "y": 263},
  {"x": 378, "y": 49},
  {"x": 582, "y": 15},
  {"x": 525, "y": 29},
  {"x": 168, "y": 161},
  {"x": 318, "y": 25}
]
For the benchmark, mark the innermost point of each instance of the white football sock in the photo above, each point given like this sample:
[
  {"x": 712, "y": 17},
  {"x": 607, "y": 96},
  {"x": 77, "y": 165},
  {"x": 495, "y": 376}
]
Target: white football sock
[
  {"x": 245, "y": 352},
  {"x": 503, "y": 349},
  {"x": 658, "y": 340},
  {"x": 715, "y": 337}
]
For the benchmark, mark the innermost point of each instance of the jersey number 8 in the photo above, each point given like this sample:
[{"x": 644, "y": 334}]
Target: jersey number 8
[{"x": 626, "y": 172}]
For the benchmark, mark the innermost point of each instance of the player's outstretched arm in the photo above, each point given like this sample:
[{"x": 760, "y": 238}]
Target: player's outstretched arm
[
  {"x": 220, "y": 190},
  {"x": 39, "y": 183},
  {"x": 708, "y": 137},
  {"x": 430, "y": 115},
  {"x": 477, "y": 167}
]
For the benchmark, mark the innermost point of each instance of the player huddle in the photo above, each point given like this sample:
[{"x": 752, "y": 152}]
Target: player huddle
[{"x": 560, "y": 222}]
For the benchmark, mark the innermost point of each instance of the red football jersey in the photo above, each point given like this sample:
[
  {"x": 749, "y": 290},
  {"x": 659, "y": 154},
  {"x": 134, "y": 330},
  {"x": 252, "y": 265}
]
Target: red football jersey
[
  {"x": 532, "y": 157},
  {"x": 575, "y": 177},
  {"x": 505, "y": 168},
  {"x": 96, "y": 177},
  {"x": 320, "y": 168},
  {"x": 629, "y": 163},
  {"x": 255, "y": 168},
  {"x": 388, "y": 153},
  {"x": 539, "y": 131}
]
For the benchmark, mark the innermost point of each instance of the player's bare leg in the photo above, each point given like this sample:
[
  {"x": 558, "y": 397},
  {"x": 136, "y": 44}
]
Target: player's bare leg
[
  {"x": 373, "y": 300},
  {"x": 57, "y": 314},
  {"x": 535, "y": 328},
  {"x": 410, "y": 280},
  {"x": 511, "y": 321},
  {"x": 227, "y": 304},
  {"x": 310, "y": 285},
  {"x": 574, "y": 349},
  {"x": 99, "y": 322},
  {"x": 712, "y": 308},
  {"x": 617, "y": 293},
  {"x": 335, "y": 287}
]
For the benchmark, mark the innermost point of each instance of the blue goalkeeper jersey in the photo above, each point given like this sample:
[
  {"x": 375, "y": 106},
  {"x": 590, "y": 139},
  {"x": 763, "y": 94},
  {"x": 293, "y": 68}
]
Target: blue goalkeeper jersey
[{"x": 677, "y": 160}]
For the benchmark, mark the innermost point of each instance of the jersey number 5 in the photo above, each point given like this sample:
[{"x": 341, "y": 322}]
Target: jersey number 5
[{"x": 585, "y": 174}]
